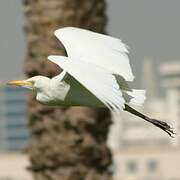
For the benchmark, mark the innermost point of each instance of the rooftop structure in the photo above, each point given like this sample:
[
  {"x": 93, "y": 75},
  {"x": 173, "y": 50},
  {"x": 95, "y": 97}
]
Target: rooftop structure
[{"x": 170, "y": 73}]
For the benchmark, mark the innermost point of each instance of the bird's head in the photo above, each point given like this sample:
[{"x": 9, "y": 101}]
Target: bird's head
[{"x": 36, "y": 83}]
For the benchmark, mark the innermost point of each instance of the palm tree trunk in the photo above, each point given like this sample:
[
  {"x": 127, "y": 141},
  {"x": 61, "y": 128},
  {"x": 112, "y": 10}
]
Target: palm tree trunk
[{"x": 66, "y": 143}]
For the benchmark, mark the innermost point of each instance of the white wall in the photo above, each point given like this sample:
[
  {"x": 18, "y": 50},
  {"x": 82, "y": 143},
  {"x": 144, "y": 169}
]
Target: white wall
[{"x": 13, "y": 167}]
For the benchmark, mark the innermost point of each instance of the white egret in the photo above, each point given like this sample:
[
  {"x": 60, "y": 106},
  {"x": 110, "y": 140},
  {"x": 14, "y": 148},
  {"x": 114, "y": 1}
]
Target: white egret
[{"x": 95, "y": 73}]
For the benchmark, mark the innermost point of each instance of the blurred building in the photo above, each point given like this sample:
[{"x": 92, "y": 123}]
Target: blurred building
[
  {"x": 170, "y": 75},
  {"x": 149, "y": 78},
  {"x": 142, "y": 151},
  {"x": 170, "y": 72},
  {"x": 14, "y": 167},
  {"x": 147, "y": 164},
  {"x": 13, "y": 121}
]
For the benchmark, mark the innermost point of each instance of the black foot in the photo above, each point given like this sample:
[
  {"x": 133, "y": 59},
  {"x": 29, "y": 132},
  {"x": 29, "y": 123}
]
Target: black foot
[{"x": 164, "y": 126}]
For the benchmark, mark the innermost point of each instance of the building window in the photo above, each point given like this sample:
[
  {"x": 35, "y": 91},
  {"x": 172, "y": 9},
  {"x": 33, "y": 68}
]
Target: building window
[
  {"x": 13, "y": 130},
  {"x": 152, "y": 165},
  {"x": 132, "y": 166}
]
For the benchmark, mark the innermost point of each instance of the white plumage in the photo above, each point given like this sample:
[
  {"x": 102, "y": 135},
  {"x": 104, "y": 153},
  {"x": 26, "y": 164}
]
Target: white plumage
[
  {"x": 95, "y": 73},
  {"x": 102, "y": 50},
  {"x": 138, "y": 97},
  {"x": 94, "y": 59},
  {"x": 97, "y": 80}
]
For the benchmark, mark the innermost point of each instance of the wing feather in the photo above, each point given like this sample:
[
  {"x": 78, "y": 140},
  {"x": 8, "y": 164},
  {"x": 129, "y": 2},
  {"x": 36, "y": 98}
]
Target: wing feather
[
  {"x": 96, "y": 79},
  {"x": 102, "y": 50}
]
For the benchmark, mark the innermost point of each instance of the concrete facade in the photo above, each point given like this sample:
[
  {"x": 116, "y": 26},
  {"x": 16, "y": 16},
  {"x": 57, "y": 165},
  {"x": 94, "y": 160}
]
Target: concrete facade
[
  {"x": 142, "y": 151},
  {"x": 14, "y": 167},
  {"x": 148, "y": 164}
]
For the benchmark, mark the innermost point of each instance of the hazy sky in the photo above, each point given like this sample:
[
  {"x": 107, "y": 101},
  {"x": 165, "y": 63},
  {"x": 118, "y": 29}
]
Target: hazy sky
[
  {"x": 12, "y": 42},
  {"x": 150, "y": 28}
]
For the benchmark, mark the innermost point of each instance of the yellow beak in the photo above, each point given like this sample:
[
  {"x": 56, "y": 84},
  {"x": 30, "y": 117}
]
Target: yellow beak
[{"x": 19, "y": 83}]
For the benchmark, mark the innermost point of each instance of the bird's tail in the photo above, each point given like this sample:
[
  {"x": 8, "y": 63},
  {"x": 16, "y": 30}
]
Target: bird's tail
[
  {"x": 160, "y": 124},
  {"x": 138, "y": 97}
]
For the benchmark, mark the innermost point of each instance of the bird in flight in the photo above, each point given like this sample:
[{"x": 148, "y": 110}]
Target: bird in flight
[{"x": 95, "y": 73}]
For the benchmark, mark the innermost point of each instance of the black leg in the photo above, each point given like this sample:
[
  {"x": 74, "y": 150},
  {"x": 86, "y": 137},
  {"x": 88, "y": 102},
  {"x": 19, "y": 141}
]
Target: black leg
[{"x": 161, "y": 124}]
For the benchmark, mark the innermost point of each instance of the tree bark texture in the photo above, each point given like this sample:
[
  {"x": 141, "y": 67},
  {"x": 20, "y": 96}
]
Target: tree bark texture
[{"x": 66, "y": 143}]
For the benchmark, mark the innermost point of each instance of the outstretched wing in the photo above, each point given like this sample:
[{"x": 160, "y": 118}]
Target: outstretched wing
[
  {"x": 97, "y": 80},
  {"x": 102, "y": 50}
]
